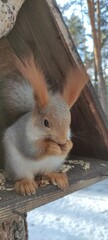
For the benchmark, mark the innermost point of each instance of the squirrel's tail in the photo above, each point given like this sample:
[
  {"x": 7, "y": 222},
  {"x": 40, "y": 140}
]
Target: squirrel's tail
[{"x": 16, "y": 97}]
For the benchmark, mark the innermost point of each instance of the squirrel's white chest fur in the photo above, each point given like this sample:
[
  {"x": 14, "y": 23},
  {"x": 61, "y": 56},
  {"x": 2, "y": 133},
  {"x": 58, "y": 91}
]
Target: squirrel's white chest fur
[{"x": 22, "y": 167}]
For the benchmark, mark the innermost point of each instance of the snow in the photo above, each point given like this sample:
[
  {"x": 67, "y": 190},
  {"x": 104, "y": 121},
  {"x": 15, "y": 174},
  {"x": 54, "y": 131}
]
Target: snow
[{"x": 80, "y": 216}]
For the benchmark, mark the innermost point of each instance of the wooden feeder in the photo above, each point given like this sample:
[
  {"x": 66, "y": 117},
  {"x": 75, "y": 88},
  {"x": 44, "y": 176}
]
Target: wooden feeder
[{"x": 40, "y": 25}]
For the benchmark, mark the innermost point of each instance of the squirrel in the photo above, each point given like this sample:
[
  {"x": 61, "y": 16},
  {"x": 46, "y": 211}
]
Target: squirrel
[{"x": 38, "y": 142}]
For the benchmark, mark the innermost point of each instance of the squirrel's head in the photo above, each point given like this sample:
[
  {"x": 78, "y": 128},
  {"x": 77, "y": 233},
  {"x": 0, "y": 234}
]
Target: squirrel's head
[
  {"x": 53, "y": 120},
  {"x": 52, "y": 111}
]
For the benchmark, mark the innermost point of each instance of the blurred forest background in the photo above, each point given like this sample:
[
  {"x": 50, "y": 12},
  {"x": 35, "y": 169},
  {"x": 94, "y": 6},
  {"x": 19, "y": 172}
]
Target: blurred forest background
[{"x": 87, "y": 21}]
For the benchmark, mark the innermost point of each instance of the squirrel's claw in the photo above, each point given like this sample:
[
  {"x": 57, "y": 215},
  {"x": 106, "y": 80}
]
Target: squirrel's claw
[
  {"x": 67, "y": 147},
  {"x": 58, "y": 179},
  {"x": 25, "y": 186},
  {"x": 52, "y": 148}
]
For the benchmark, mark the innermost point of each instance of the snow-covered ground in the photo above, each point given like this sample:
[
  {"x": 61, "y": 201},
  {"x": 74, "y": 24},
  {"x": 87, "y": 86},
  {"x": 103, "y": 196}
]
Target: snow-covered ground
[{"x": 79, "y": 216}]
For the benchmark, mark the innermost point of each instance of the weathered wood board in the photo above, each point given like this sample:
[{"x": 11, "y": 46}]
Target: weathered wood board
[{"x": 12, "y": 203}]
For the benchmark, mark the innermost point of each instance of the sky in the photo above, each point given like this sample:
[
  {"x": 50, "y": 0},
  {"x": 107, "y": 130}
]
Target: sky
[
  {"x": 61, "y": 2},
  {"x": 77, "y": 12},
  {"x": 69, "y": 12}
]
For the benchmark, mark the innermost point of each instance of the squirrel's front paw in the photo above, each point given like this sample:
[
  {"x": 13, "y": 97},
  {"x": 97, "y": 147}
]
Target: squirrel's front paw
[
  {"x": 67, "y": 147},
  {"x": 52, "y": 148},
  {"x": 58, "y": 179},
  {"x": 25, "y": 186}
]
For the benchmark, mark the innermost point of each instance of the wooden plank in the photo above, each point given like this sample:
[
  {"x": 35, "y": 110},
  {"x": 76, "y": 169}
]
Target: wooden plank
[
  {"x": 94, "y": 108},
  {"x": 12, "y": 203},
  {"x": 72, "y": 51},
  {"x": 90, "y": 136},
  {"x": 64, "y": 34}
]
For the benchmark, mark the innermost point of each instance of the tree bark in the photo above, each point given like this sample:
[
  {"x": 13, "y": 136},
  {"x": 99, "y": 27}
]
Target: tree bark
[
  {"x": 102, "y": 86},
  {"x": 96, "y": 77},
  {"x": 96, "y": 34},
  {"x": 14, "y": 229}
]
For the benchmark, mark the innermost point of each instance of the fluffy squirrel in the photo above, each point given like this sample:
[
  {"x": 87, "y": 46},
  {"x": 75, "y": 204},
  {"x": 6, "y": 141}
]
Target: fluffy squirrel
[{"x": 39, "y": 141}]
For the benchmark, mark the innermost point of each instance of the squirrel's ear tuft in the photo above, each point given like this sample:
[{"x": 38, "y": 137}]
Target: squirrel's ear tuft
[
  {"x": 32, "y": 72},
  {"x": 75, "y": 83}
]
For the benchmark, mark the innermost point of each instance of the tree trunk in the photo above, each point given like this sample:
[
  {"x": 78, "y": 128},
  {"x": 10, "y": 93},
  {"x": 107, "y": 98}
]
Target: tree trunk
[
  {"x": 103, "y": 91},
  {"x": 96, "y": 33},
  {"x": 102, "y": 86},
  {"x": 14, "y": 229},
  {"x": 96, "y": 77}
]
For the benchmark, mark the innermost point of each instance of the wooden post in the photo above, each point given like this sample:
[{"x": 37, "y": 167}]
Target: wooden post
[{"x": 14, "y": 228}]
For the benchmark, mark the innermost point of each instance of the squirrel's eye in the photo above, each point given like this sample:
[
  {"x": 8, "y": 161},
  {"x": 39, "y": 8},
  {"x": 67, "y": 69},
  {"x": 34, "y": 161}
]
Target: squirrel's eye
[{"x": 46, "y": 123}]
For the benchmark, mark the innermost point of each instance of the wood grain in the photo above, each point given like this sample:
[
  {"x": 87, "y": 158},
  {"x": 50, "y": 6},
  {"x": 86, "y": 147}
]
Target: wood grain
[{"x": 12, "y": 203}]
